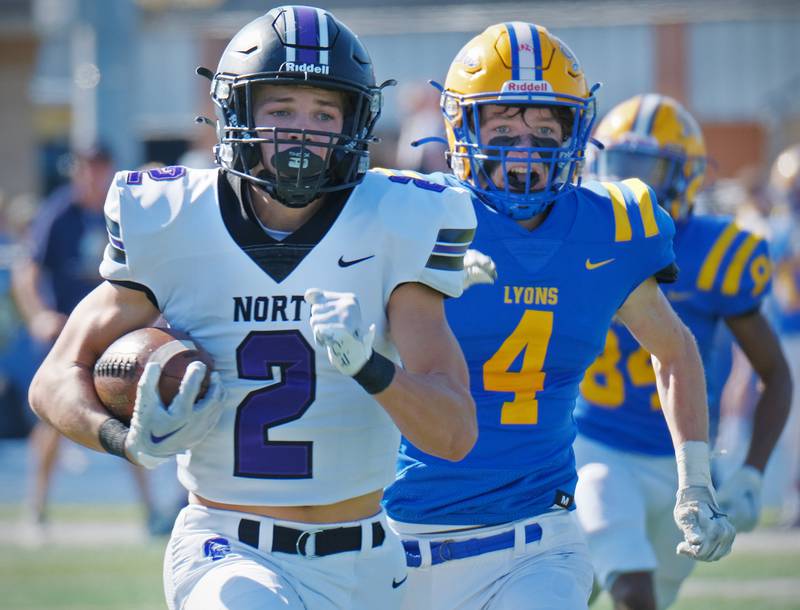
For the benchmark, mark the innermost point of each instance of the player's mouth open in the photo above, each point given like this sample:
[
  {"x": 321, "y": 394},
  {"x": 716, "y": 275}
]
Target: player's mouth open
[{"x": 518, "y": 177}]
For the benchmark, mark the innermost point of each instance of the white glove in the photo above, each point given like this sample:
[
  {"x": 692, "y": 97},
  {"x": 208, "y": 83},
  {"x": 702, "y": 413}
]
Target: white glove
[
  {"x": 740, "y": 497},
  {"x": 707, "y": 533},
  {"x": 158, "y": 432},
  {"x": 478, "y": 269},
  {"x": 336, "y": 324}
]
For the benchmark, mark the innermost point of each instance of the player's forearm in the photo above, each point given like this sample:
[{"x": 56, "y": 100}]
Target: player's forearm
[
  {"x": 763, "y": 351},
  {"x": 63, "y": 395},
  {"x": 432, "y": 412},
  {"x": 682, "y": 390},
  {"x": 770, "y": 416}
]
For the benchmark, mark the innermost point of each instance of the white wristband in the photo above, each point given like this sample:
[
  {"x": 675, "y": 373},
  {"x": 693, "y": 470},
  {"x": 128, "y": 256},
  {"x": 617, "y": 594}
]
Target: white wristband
[{"x": 694, "y": 466}]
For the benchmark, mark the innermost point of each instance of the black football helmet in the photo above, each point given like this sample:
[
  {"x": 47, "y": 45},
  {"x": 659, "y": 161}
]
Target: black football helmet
[{"x": 295, "y": 45}]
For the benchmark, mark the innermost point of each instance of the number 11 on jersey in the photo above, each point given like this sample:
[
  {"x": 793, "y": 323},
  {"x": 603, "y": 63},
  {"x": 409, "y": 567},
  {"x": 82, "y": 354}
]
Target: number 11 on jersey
[{"x": 531, "y": 336}]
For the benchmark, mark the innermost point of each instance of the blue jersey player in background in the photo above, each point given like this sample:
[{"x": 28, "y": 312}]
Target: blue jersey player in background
[
  {"x": 495, "y": 530},
  {"x": 624, "y": 452}
]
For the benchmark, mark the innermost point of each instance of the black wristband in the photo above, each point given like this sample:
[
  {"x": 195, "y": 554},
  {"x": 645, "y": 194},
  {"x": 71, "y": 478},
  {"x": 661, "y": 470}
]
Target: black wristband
[
  {"x": 112, "y": 435},
  {"x": 376, "y": 375}
]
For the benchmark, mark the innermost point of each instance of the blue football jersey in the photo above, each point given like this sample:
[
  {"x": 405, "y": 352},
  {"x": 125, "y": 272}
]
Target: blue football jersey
[
  {"x": 528, "y": 340},
  {"x": 724, "y": 271}
]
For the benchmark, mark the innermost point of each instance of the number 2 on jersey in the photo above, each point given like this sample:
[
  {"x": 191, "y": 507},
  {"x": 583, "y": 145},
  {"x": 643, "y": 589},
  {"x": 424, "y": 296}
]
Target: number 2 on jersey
[
  {"x": 531, "y": 336},
  {"x": 286, "y": 359}
]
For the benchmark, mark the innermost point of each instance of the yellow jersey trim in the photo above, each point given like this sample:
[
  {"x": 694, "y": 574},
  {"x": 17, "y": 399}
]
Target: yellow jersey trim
[
  {"x": 622, "y": 223},
  {"x": 710, "y": 268},
  {"x": 733, "y": 276},
  {"x": 645, "y": 203}
]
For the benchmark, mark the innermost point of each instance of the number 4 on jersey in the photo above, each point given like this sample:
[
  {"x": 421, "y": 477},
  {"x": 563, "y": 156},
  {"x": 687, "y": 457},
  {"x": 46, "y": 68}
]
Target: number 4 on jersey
[{"x": 531, "y": 336}]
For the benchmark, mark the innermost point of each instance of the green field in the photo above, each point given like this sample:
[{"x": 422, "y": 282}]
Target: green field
[{"x": 82, "y": 569}]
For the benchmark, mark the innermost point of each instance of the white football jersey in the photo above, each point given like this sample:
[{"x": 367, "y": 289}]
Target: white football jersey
[{"x": 297, "y": 431}]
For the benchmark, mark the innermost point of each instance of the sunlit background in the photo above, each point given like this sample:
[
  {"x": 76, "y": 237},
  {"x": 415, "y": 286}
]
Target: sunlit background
[{"x": 122, "y": 72}]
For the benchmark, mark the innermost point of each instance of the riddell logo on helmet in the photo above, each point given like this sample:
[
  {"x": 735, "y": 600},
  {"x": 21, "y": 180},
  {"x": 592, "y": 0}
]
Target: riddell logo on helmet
[
  {"x": 527, "y": 86},
  {"x": 293, "y": 67}
]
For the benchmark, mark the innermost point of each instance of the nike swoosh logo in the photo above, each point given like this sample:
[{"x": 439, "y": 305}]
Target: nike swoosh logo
[
  {"x": 160, "y": 439},
  {"x": 344, "y": 263},
  {"x": 590, "y": 265},
  {"x": 396, "y": 584}
]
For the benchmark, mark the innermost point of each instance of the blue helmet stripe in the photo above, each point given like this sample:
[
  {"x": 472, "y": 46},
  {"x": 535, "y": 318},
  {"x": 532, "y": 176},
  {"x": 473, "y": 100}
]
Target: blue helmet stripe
[{"x": 512, "y": 39}]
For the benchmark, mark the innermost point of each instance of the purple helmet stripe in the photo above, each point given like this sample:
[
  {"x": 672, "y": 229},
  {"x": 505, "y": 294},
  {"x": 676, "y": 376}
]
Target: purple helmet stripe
[{"x": 307, "y": 34}]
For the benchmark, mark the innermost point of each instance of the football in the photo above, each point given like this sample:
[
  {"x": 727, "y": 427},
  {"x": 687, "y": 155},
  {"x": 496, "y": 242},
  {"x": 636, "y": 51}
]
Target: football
[{"x": 117, "y": 371}]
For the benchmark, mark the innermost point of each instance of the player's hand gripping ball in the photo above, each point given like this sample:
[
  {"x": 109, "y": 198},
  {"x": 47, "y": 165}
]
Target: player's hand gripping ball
[{"x": 117, "y": 371}]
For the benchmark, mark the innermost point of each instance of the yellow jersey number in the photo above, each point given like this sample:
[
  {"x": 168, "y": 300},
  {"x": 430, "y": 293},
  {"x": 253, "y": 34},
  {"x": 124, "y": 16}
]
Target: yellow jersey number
[
  {"x": 532, "y": 335},
  {"x": 604, "y": 385}
]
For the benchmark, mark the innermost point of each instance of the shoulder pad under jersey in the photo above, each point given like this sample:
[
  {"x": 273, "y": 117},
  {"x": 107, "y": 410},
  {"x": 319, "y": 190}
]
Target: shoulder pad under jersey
[
  {"x": 143, "y": 204},
  {"x": 429, "y": 226},
  {"x": 623, "y": 211}
]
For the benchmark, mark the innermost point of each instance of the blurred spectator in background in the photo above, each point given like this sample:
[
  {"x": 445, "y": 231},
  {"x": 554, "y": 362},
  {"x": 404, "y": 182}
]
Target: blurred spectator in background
[
  {"x": 784, "y": 189},
  {"x": 17, "y": 360},
  {"x": 58, "y": 268},
  {"x": 420, "y": 117},
  {"x": 755, "y": 206}
]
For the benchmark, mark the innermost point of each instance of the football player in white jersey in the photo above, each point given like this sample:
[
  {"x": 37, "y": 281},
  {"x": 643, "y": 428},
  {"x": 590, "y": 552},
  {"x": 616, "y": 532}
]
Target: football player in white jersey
[{"x": 291, "y": 243}]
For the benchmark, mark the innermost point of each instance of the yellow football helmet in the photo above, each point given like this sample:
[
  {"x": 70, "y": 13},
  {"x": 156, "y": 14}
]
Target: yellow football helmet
[
  {"x": 519, "y": 65},
  {"x": 654, "y": 138},
  {"x": 784, "y": 180}
]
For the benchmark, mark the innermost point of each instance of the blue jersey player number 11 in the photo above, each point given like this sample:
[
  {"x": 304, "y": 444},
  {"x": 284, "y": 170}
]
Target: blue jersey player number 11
[{"x": 495, "y": 530}]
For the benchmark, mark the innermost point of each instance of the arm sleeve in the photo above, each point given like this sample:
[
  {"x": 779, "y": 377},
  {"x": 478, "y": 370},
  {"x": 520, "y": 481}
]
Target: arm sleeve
[
  {"x": 652, "y": 231},
  {"x": 125, "y": 258},
  {"x": 442, "y": 252},
  {"x": 115, "y": 264}
]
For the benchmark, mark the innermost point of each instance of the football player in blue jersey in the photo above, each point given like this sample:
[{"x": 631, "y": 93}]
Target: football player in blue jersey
[
  {"x": 626, "y": 463},
  {"x": 495, "y": 530},
  {"x": 286, "y": 456}
]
